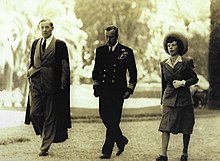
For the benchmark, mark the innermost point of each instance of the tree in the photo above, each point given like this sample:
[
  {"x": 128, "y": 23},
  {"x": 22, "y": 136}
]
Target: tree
[
  {"x": 214, "y": 57},
  {"x": 189, "y": 17},
  {"x": 125, "y": 14},
  {"x": 19, "y": 27},
  {"x": 142, "y": 26}
]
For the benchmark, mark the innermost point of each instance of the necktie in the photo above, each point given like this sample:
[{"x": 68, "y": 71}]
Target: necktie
[{"x": 44, "y": 45}]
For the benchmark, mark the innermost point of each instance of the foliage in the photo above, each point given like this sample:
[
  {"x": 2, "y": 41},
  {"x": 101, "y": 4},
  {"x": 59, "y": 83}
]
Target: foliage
[
  {"x": 19, "y": 27},
  {"x": 192, "y": 20},
  {"x": 214, "y": 58},
  {"x": 142, "y": 25},
  {"x": 81, "y": 24},
  {"x": 97, "y": 14}
]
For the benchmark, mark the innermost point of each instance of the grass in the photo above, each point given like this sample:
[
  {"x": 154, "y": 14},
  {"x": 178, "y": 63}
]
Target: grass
[
  {"x": 134, "y": 114},
  {"x": 12, "y": 140},
  {"x": 86, "y": 140}
]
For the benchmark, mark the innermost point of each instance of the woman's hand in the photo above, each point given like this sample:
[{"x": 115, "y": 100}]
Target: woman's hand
[
  {"x": 161, "y": 108},
  {"x": 178, "y": 83}
]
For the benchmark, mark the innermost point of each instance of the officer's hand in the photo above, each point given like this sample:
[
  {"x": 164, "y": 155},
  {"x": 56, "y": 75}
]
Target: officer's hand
[
  {"x": 178, "y": 83},
  {"x": 126, "y": 95},
  {"x": 96, "y": 90}
]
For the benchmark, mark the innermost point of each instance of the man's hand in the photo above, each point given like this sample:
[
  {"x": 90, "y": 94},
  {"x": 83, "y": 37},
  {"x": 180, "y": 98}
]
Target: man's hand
[
  {"x": 126, "y": 95},
  {"x": 178, "y": 83}
]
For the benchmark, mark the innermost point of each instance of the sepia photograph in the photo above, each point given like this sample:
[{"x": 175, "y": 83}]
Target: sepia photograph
[{"x": 120, "y": 80}]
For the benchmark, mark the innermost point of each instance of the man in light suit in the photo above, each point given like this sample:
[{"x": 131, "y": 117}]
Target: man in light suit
[
  {"x": 110, "y": 85},
  {"x": 48, "y": 105}
]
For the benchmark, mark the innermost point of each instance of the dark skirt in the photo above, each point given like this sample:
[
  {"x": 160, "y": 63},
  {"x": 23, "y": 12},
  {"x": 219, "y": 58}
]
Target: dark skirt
[{"x": 177, "y": 120}]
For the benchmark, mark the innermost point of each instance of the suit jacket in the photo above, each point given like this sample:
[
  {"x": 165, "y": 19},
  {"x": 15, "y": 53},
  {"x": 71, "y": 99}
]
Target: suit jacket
[
  {"x": 59, "y": 65},
  {"x": 182, "y": 71},
  {"x": 110, "y": 69}
]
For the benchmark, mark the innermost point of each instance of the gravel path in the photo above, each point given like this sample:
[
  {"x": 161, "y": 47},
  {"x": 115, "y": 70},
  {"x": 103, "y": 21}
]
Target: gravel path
[{"x": 20, "y": 143}]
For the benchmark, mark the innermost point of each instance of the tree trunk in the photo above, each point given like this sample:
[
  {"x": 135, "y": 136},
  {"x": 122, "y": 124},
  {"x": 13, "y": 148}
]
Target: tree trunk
[
  {"x": 214, "y": 57},
  {"x": 8, "y": 76}
]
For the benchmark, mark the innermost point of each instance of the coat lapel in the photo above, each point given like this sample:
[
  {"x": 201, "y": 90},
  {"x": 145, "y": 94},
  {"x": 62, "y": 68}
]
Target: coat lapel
[
  {"x": 107, "y": 49},
  {"x": 178, "y": 67},
  {"x": 49, "y": 48},
  {"x": 169, "y": 68}
]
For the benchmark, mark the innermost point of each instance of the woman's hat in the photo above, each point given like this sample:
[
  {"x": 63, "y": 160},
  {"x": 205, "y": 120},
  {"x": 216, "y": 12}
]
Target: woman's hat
[{"x": 179, "y": 37}]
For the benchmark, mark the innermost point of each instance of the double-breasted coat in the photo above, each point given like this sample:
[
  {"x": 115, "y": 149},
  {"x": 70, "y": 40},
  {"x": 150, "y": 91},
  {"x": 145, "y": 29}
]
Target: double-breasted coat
[{"x": 110, "y": 69}]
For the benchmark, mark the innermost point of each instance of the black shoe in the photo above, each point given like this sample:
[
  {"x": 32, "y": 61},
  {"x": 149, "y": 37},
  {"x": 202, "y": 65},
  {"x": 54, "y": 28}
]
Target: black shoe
[
  {"x": 105, "y": 156},
  {"x": 122, "y": 147},
  {"x": 162, "y": 158},
  {"x": 184, "y": 158},
  {"x": 43, "y": 153}
]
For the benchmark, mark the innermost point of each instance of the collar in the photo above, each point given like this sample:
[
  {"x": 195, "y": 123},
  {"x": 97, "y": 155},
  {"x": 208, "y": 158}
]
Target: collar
[
  {"x": 113, "y": 47},
  {"x": 178, "y": 59},
  {"x": 48, "y": 40}
]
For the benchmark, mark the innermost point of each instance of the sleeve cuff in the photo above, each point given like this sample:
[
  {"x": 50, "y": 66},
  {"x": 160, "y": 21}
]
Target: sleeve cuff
[
  {"x": 131, "y": 88},
  {"x": 184, "y": 83},
  {"x": 95, "y": 82}
]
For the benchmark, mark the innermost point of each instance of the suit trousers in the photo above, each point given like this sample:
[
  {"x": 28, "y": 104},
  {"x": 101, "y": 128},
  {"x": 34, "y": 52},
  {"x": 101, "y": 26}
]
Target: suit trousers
[
  {"x": 42, "y": 113},
  {"x": 110, "y": 110}
]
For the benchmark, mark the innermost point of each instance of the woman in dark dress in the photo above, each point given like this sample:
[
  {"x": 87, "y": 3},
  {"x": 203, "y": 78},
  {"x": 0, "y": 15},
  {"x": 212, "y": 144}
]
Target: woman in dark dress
[{"x": 177, "y": 104}]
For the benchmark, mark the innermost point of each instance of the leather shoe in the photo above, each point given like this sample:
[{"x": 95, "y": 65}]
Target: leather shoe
[
  {"x": 43, "y": 153},
  {"x": 105, "y": 156},
  {"x": 162, "y": 158},
  {"x": 122, "y": 147},
  {"x": 184, "y": 158}
]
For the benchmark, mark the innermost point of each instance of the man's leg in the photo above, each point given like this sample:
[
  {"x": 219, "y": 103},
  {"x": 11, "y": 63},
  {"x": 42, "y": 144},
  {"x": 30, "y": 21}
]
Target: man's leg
[
  {"x": 36, "y": 111},
  {"x": 49, "y": 127},
  {"x": 104, "y": 112},
  {"x": 120, "y": 140},
  {"x": 112, "y": 117}
]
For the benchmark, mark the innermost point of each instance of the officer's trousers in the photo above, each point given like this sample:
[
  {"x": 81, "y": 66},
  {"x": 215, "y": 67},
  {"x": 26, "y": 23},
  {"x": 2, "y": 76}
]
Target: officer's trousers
[{"x": 110, "y": 110}]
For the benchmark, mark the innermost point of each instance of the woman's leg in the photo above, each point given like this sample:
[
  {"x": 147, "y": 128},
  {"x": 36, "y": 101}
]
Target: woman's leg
[
  {"x": 165, "y": 142},
  {"x": 186, "y": 139}
]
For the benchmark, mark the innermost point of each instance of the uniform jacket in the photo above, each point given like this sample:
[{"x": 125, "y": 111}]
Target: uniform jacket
[
  {"x": 57, "y": 83},
  {"x": 110, "y": 69},
  {"x": 182, "y": 71}
]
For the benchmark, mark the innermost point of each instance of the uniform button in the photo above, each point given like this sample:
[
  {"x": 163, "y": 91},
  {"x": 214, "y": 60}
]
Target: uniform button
[
  {"x": 113, "y": 81},
  {"x": 113, "y": 76},
  {"x": 103, "y": 81},
  {"x": 104, "y": 70},
  {"x": 114, "y": 70},
  {"x": 114, "y": 65},
  {"x": 104, "y": 75}
]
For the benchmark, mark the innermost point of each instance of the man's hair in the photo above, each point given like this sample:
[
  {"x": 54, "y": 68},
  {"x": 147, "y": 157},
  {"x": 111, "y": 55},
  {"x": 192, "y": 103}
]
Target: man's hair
[
  {"x": 112, "y": 27},
  {"x": 46, "y": 20}
]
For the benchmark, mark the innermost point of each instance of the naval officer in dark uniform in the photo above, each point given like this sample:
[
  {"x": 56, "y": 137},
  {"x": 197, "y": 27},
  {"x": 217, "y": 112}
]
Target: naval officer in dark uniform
[{"x": 112, "y": 62}]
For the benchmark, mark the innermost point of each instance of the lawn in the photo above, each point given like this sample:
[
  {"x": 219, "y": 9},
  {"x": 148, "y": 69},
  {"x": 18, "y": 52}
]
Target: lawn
[{"x": 86, "y": 138}]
